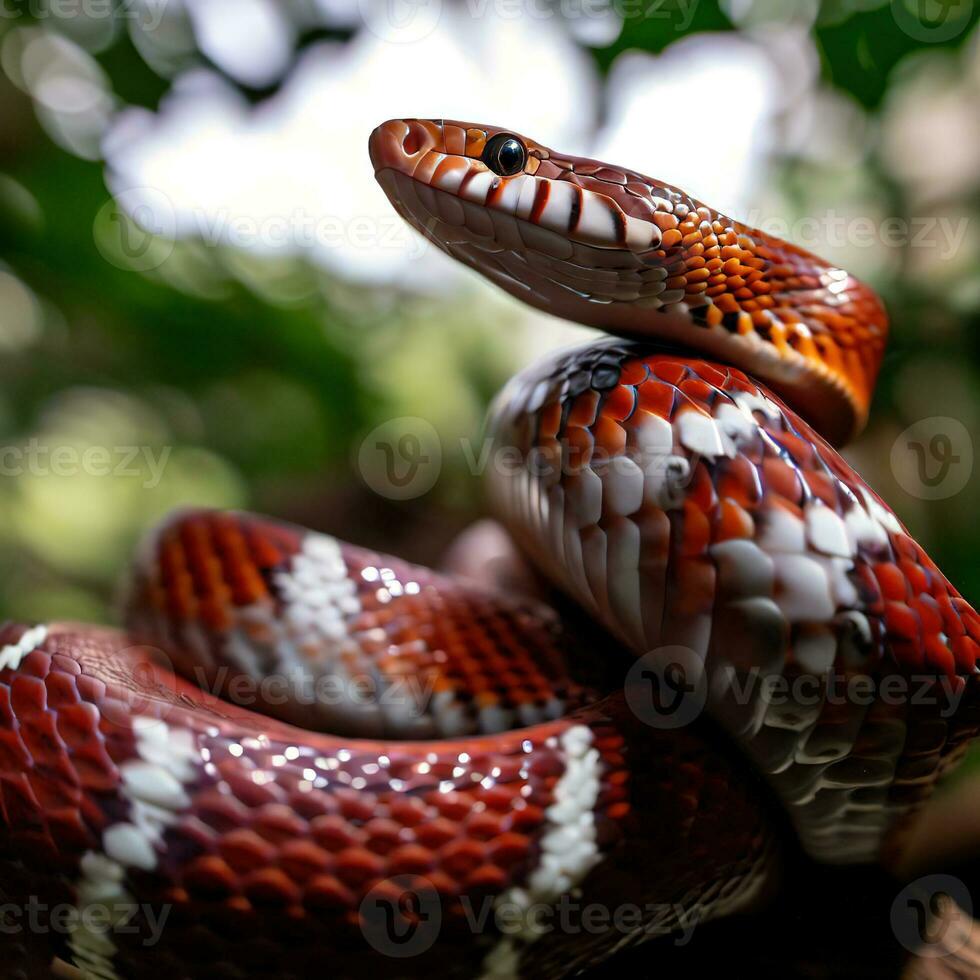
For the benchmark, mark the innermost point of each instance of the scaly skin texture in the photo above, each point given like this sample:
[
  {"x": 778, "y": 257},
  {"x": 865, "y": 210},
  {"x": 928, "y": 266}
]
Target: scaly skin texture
[
  {"x": 395, "y": 772},
  {"x": 683, "y": 505},
  {"x": 633, "y": 255},
  {"x": 265, "y": 850}
]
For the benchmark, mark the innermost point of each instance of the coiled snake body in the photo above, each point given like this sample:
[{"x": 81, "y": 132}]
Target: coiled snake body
[{"x": 500, "y": 801}]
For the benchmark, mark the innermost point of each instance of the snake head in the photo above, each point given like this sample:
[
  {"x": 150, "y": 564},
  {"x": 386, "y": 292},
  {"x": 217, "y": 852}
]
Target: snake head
[
  {"x": 614, "y": 249},
  {"x": 563, "y": 233}
]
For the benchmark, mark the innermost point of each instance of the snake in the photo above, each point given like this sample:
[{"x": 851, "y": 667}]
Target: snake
[{"x": 296, "y": 754}]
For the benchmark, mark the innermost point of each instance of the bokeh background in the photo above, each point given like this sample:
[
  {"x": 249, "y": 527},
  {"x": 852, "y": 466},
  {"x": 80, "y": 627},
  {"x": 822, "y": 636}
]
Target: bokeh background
[{"x": 205, "y": 299}]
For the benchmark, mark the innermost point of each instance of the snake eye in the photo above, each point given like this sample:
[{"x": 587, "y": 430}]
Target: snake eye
[{"x": 505, "y": 155}]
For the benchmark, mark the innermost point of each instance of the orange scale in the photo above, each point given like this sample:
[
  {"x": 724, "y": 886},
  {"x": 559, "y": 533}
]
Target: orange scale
[
  {"x": 487, "y": 877},
  {"x": 966, "y": 652},
  {"x": 823, "y": 486},
  {"x": 803, "y": 341},
  {"x": 731, "y": 521},
  {"x": 483, "y": 825},
  {"x": 907, "y": 549},
  {"x": 508, "y": 849},
  {"x": 549, "y": 420},
  {"x": 727, "y": 303},
  {"x": 656, "y": 398},
  {"x": 713, "y": 316},
  {"x": 584, "y": 409},
  {"x": 901, "y": 620},
  {"x": 271, "y": 886},
  {"x": 610, "y": 436},
  {"x": 782, "y": 480},
  {"x": 499, "y": 798},
  {"x": 736, "y": 480},
  {"x": 211, "y": 874},
  {"x": 799, "y": 449},
  {"x": 669, "y": 370},
  {"x": 204, "y": 566},
  {"x": 699, "y": 390},
  {"x": 247, "y": 586},
  {"x": 869, "y": 589},
  {"x": 619, "y": 402},
  {"x": 709, "y": 374},
  {"x": 700, "y": 490},
  {"x": 915, "y": 575},
  {"x": 410, "y": 859},
  {"x": 181, "y": 596},
  {"x": 578, "y": 446},
  {"x": 971, "y": 621},
  {"x": 214, "y": 613},
  {"x": 696, "y": 532},
  {"x": 939, "y": 655},
  {"x": 739, "y": 381},
  {"x": 633, "y": 373},
  {"x": 618, "y": 812},
  {"x": 618, "y": 778},
  {"x": 830, "y": 353},
  {"x": 483, "y": 697},
  {"x": 952, "y": 624},
  {"x": 928, "y": 612}
]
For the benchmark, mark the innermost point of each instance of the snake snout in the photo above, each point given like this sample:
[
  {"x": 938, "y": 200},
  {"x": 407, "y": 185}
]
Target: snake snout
[{"x": 399, "y": 144}]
